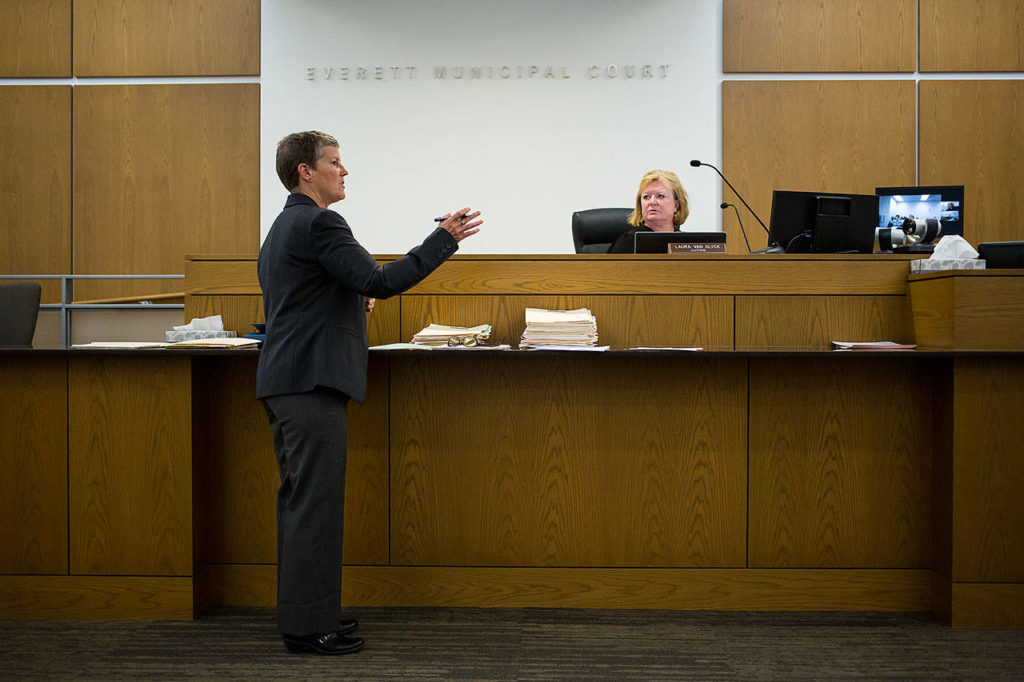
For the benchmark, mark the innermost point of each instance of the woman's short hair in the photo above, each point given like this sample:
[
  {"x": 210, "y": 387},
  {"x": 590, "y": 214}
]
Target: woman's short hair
[
  {"x": 669, "y": 179},
  {"x": 306, "y": 147}
]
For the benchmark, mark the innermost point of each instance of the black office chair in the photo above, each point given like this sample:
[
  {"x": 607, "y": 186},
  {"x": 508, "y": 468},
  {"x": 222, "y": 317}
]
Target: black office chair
[
  {"x": 596, "y": 229},
  {"x": 19, "y": 308}
]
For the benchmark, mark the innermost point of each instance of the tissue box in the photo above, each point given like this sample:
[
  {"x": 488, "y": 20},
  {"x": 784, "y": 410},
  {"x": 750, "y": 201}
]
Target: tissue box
[
  {"x": 176, "y": 336},
  {"x": 935, "y": 264}
]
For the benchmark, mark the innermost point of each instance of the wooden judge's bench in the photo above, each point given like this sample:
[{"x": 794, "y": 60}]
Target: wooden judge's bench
[{"x": 766, "y": 472}]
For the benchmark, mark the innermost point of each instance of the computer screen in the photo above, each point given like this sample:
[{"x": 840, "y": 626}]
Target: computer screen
[
  {"x": 944, "y": 203},
  {"x": 819, "y": 222}
]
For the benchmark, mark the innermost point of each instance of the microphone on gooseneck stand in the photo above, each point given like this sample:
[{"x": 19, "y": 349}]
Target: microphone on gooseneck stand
[
  {"x": 771, "y": 239},
  {"x": 727, "y": 205}
]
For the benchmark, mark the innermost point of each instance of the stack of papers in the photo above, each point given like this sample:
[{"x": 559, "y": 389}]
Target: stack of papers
[
  {"x": 559, "y": 328},
  {"x": 873, "y": 345},
  {"x": 219, "y": 342},
  {"x": 435, "y": 335}
]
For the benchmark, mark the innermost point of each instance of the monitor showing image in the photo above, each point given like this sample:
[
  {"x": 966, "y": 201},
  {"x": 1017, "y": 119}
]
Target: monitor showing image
[{"x": 942, "y": 203}]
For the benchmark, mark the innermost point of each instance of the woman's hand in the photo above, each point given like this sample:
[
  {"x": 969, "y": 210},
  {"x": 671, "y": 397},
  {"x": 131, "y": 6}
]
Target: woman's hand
[
  {"x": 462, "y": 224},
  {"x": 369, "y": 304}
]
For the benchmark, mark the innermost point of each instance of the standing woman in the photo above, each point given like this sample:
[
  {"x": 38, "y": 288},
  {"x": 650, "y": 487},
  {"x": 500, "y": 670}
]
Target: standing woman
[
  {"x": 318, "y": 284},
  {"x": 661, "y": 206}
]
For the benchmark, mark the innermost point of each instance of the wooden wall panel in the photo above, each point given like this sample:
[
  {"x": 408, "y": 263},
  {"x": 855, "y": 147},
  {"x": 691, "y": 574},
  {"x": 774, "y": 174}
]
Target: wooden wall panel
[
  {"x": 35, "y": 173},
  {"x": 568, "y": 461},
  {"x": 933, "y": 310},
  {"x": 34, "y": 485},
  {"x": 239, "y": 311},
  {"x": 599, "y": 588},
  {"x": 221, "y": 275},
  {"x": 161, "y": 171},
  {"x": 989, "y": 311},
  {"x": 969, "y": 309},
  {"x": 167, "y": 38},
  {"x": 796, "y": 35},
  {"x": 831, "y": 136},
  {"x": 367, "y": 486},
  {"x": 988, "y": 471},
  {"x": 74, "y": 597},
  {"x": 663, "y": 274},
  {"x": 943, "y": 406},
  {"x": 988, "y": 605},
  {"x": 626, "y": 588},
  {"x": 237, "y": 475},
  {"x": 972, "y": 35},
  {"x": 817, "y": 321},
  {"x": 35, "y": 39},
  {"x": 245, "y": 584},
  {"x": 840, "y": 464},
  {"x": 514, "y": 275},
  {"x": 622, "y": 321},
  {"x": 971, "y": 135},
  {"x": 130, "y": 465}
]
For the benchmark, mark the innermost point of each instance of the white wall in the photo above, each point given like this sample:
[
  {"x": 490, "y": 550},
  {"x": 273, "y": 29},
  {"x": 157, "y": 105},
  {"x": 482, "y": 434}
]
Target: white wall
[{"x": 526, "y": 151}]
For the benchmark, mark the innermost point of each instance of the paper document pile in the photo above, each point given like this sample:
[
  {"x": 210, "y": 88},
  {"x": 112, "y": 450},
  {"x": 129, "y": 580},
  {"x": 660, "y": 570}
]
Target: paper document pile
[
  {"x": 436, "y": 335},
  {"x": 873, "y": 345},
  {"x": 219, "y": 342},
  {"x": 569, "y": 328}
]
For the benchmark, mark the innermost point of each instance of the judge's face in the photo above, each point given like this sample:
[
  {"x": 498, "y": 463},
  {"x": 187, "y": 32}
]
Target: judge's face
[
  {"x": 658, "y": 206},
  {"x": 326, "y": 180}
]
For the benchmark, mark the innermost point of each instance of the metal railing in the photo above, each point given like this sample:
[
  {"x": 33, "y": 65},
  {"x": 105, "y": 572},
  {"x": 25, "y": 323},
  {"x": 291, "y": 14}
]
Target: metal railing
[{"x": 67, "y": 295}]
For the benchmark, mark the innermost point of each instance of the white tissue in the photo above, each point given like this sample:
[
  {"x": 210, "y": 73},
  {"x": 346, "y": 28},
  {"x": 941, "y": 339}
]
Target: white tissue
[
  {"x": 213, "y": 323},
  {"x": 953, "y": 247}
]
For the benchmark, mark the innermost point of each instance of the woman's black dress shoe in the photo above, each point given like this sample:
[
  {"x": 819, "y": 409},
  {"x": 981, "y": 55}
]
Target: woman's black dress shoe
[{"x": 330, "y": 643}]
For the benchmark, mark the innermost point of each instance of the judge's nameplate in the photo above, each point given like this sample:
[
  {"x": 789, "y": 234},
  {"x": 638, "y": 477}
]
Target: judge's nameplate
[{"x": 690, "y": 247}]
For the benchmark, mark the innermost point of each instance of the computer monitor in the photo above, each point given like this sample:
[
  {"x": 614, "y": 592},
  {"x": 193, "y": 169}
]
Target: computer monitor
[
  {"x": 657, "y": 242},
  {"x": 820, "y": 222},
  {"x": 944, "y": 203}
]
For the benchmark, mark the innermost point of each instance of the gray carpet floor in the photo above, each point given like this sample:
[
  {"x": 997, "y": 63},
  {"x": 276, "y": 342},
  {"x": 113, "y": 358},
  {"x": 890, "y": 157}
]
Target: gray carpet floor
[{"x": 522, "y": 644}]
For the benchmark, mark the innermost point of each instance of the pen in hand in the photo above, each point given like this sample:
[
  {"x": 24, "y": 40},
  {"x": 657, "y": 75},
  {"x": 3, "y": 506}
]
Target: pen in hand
[
  {"x": 442, "y": 218},
  {"x": 460, "y": 224}
]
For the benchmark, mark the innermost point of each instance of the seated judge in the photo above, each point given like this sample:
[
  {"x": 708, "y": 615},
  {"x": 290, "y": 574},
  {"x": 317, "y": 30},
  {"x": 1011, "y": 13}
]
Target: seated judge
[{"x": 661, "y": 206}]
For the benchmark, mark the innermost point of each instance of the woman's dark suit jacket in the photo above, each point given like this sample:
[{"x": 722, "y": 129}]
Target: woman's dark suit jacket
[{"x": 314, "y": 276}]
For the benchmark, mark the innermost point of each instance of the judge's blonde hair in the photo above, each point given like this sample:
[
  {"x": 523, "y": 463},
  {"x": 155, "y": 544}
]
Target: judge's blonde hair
[{"x": 670, "y": 180}]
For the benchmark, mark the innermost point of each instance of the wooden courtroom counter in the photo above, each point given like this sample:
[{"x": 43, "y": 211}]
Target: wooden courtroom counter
[{"x": 767, "y": 473}]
